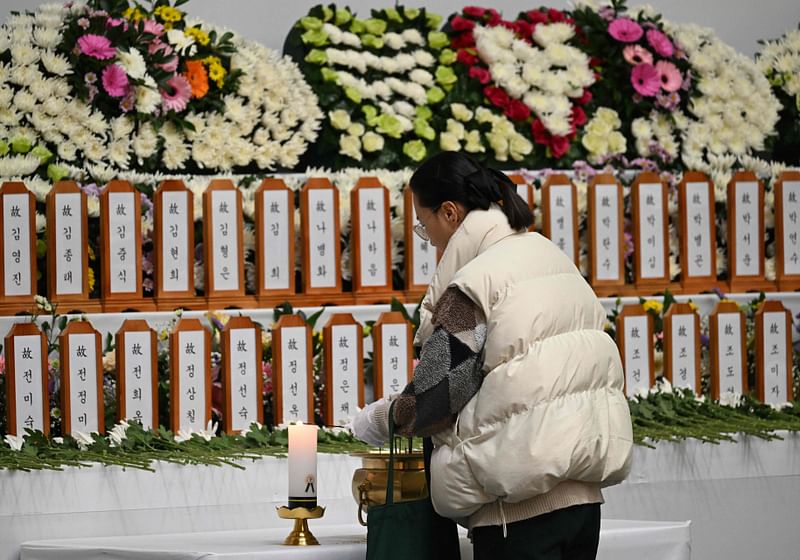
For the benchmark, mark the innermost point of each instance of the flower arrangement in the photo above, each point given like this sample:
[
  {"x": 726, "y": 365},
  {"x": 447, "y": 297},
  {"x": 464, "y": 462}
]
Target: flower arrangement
[
  {"x": 379, "y": 81},
  {"x": 779, "y": 61},
  {"x": 114, "y": 86}
]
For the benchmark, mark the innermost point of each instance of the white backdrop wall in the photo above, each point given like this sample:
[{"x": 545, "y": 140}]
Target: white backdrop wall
[{"x": 741, "y": 23}]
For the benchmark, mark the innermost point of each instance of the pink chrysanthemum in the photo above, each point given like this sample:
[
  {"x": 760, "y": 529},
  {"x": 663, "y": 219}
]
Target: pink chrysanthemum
[
  {"x": 634, "y": 54},
  {"x": 660, "y": 43},
  {"x": 179, "y": 96},
  {"x": 96, "y": 46},
  {"x": 669, "y": 76},
  {"x": 645, "y": 80},
  {"x": 625, "y": 30},
  {"x": 115, "y": 80}
]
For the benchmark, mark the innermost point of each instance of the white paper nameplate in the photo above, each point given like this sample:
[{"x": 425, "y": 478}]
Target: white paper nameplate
[
  {"x": 606, "y": 231},
  {"x": 729, "y": 353},
  {"x": 344, "y": 362},
  {"x": 83, "y": 383},
  {"x": 424, "y": 256},
  {"x": 791, "y": 227},
  {"x": 562, "y": 228},
  {"x": 394, "y": 341},
  {"x": 176, "y": 255},
  {"x": 277, "y": 268},
  {"x": 192, "y": 369},
  {"x": 637, "y": 354},
  {"x": 321, "y": 238},
  {"x": 775, "y": 389},
  {"x": 244, "y": 398},
  {"x": 139, "y": 377},
  {"x": 523, "y": 191},
  {"x": 28, "y": 383},
  {"x": 651, "y": 230},
  {"x": 225, "y": 240},
  {"x": 372, "y": 242},
  {"x": 122, "y": 224},
  {"x": 294, "y": 375},
  {"x": 68, "y": 244},
  {"x": 698, "y": 243},
  {"x": 748, "y": 222},
  {"x": 17, "y": 243},
  {"x": 683, "y": 351}
]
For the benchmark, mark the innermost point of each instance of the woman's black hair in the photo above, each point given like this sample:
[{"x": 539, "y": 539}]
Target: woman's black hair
[{"x": 456, "y": 177}]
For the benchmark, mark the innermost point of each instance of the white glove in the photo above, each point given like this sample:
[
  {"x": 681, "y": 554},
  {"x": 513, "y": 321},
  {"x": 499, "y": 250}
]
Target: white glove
[{"x": 371, "y": 424}]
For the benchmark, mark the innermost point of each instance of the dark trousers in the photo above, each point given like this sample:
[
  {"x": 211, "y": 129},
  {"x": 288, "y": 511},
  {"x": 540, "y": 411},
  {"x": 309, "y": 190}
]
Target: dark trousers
[{"x": 566, "y": 534}]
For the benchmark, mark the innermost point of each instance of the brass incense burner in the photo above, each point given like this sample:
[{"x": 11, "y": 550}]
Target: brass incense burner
[{"x": 369, "y": 482}]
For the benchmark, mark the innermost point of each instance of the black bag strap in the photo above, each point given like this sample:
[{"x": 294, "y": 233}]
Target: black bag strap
[{"x": 390, "y": 480}]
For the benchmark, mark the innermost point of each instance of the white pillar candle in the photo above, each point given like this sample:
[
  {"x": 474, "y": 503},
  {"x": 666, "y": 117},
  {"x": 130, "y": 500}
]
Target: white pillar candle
[{"x": 302, "y": 465}]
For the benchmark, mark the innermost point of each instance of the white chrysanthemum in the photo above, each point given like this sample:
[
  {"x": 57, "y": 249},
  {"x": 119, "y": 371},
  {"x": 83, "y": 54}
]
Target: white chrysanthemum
[
  {"x": 133, "y": 63},
  {"x": 553, "y": 33},
  {"x": 24, "y": 54},
  {"x": 56, "y": 63},
  {"x": 119, "y": 153}
]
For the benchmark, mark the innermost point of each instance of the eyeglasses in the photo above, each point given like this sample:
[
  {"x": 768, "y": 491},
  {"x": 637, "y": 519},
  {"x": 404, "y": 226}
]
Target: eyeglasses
[{"x": 420, "y": 230}]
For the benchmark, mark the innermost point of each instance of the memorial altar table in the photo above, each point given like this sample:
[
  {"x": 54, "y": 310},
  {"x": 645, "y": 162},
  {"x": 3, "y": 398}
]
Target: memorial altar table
[{"x": 619, "y": 540}]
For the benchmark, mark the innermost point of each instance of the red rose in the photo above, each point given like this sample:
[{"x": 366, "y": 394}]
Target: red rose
[
  {"x": 595, "y": 61},
  {"x": 494, "y": 18},
  {"x": 465, "y": 57},
  {"x": 555, "y": 16},
  {"x": 463, "y": 40},
  {"x": 508, "y": 25},
  {"x": 517, "y": 110},
  {"x": 540, "y": 134},
  {"x": 578, "y": 116},
  {"x": 480, "y": 74},
  {"x": 537, "y": 17},
  {"x": 559, "y": 145},
  {"x": 459, "y": 23},
  {"x": 585, "y": 98},
  {"x": 497, "y": 96},
  {"x": 474, "y": 11},
  {"x": 523, "y": 29}
]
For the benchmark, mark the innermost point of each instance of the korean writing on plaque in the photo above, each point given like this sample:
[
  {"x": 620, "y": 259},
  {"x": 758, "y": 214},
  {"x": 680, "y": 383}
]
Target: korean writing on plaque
[
  {"x": 176, "y": 254},
  {"x": 138, "y": 378},
  {"x": 244, "y": 398},
  {"x": 28, "y": 378},
  {"x": 17, "y": 256},
  {"x": 83, "y": 383},
  {"x": 791, "y": 227},
  {"x": 775, "y": 389},
  {"x": 607, "y": 231},
  {"x": 122, "y": 224},
  {"x": 372, "y": 249},
  {"x": 321, "y": 238},
  {"x": 68, "y": 243},
  {"x": 698, "y": 242},
  {"x": 344, "y": 362},
  {"x": 683, "y": 351},
  {"x": 748, "y": 222},
  {"x": 192, "y": 357},
  {"x": 294, "y": 374},
  {"x": 729, "y": 353},
  {"x": 225, "y": 240},
  {"x": 637, "y": 354},
  {"x": 424, "y": 256},
  {"x": 651, "y": 230},
  {"x": 561, "y": 224},
  {"x": 394, "y": 341},
  {"x": 277, "y": 267}
]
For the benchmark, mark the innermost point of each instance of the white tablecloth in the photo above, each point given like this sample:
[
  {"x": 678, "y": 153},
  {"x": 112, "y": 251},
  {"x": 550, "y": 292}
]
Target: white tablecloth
[{"x": 619, "y": 540}]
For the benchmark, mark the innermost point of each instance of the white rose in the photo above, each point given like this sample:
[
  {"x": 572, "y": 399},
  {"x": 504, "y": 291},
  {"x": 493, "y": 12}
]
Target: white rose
[
  {"x": 473, "y": 142},
  {"x": 340, "y": 119},
  {"x": 424, "y": 58},
  {"x": 519, "y": 147},
  {"x": 356, "y": 129},
  {"x": 372, "y": 142},
  {"x": 461, "y": 112},
  {"x": 449, "y": 142},
  {"x": 422, "y": 77},
  {"x": 350, "y": 146},
  {"x": 456, "y": 128}
]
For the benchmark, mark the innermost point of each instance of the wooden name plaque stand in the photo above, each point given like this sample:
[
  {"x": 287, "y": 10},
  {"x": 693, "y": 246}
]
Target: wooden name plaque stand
[
  {"x": 787, "y": 231},
  {"x": 746, "y": 234},
  {"x": 275, "y": 251},
  {"x": 174, "y": 248},
  {"x": 17, "y": 249},
  {"x": 121, "y": 249},
  {"x": 651, "y": 235},
  {"x": 292, "y": 371},
  {"x": 372, "y": 243},
  {"x": 698, "y": 234},
  {"x": 606, "y": 236},
  {"x": 67, "y": 253},
  {"x": 728, "y": 350},
  {"x": 82, "y": 405},
  {"x": 136, "y": 352},
  {"x": 635, "y": 341},
  {"x": 28, "y": 405},
  {"x": 393, "y": 354},
  {"x": 560, "y": 214},
  {"x": 774, "y": 353},
  {"x": 682, "y": 347},
  {"x": 190, "y": 376},
  {"x": 420, "y": 256},
  {"x": 242, "y": 378},
  {"x": 343, "y": 343},
  {"x": 223, "y": 245}
]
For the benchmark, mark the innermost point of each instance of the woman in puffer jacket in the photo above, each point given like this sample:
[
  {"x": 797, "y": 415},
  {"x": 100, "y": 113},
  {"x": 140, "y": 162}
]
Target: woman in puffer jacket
[{"x": 518, "y": 384}]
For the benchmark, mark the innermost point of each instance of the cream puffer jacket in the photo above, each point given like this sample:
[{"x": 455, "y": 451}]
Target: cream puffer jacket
[{"x": 551, "y": 407}]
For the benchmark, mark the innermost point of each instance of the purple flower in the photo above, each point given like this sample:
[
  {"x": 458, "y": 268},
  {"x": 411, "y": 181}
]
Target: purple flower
[{"x": 720, "y": 293}]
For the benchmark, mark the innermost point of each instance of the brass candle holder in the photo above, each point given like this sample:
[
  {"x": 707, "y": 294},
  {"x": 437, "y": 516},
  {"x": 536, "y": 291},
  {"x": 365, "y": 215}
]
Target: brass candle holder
[{"x": 300, "y": 535}]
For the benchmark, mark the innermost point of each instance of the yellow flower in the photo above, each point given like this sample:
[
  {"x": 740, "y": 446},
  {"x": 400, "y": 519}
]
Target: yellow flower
[
  {"x": 217, "y": 73},
  {"x": 693, "y": 305},
  {"x": 163, "y": 334},
  {"x": 168, "y": 14},
  {"x": 133, "y": 14},
  {"x": 92, "y": 256},
  {"x": 198, "y": 35},
  {"x": 653, "y": 305},
  {"x": 90, "y": 274}
]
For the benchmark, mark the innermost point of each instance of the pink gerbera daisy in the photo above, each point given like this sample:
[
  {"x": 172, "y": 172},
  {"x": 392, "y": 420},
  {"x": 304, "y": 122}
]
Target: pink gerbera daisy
[
  {"x": 115, "y": 80},
  {"x": 634, "y": 54},
  {"x": 660, "y": 43},
  {"x": 645, "y": 80},
  {"x": 181, "y": 92},
  {"x": 153, "y": 27},
  {"x": 625, "y": 30},
  {"x": 96, "y": 46},
  {"x": 669, "y": 76}
]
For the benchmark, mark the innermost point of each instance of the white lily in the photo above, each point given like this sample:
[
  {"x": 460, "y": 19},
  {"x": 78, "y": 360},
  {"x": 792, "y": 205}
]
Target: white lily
[
  {"x": 15, "y": 442},
  {"x": 117, "y": 434},
  {"x": 84, "y": 440},
  {"x": 183, "y": 435},
  {"x": 209, "y": 432}
]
